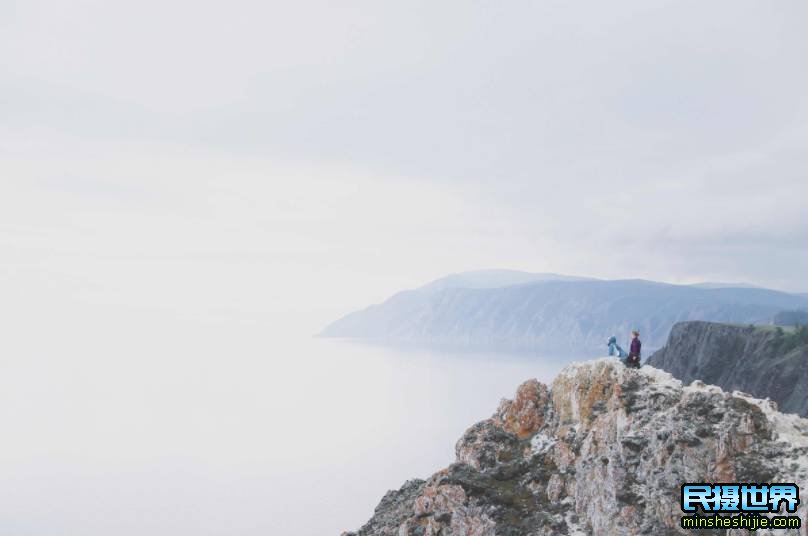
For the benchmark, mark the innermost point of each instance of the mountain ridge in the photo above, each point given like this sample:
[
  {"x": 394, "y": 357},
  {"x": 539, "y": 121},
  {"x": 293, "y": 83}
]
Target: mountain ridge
[{"x": 554, "y": 314}]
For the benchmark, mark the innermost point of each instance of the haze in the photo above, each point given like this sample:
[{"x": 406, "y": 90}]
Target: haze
[{"x": 182, "y": 179}]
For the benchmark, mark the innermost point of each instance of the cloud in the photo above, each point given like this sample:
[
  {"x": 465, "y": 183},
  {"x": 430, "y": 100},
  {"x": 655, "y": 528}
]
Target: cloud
[{"x": 383, "y": 144}]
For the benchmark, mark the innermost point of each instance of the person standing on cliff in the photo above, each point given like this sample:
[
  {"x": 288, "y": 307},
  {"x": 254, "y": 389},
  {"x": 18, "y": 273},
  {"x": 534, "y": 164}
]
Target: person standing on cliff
[{"x": 635, "y": 351}]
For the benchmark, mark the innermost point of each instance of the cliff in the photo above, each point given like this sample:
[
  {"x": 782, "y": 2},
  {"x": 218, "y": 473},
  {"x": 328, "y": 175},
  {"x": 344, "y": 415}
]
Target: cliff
[
  {"x": 791, "y": 318},
  {"x": 552, "y": 315},
  {"x": 763, "y": 361},
  {"x": 602, "y": 451}
]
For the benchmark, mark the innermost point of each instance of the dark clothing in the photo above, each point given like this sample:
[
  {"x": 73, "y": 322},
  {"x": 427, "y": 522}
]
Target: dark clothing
[
  {"x": 633, "y": 359},
  {"x": 636, "y": 346}
]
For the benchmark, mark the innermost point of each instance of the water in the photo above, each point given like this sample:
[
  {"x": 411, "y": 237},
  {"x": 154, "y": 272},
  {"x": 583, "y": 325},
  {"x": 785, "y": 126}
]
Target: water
[{"x": 135, "y": 425}]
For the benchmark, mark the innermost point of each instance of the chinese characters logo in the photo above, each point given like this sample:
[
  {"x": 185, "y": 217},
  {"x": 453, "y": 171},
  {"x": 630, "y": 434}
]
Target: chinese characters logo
[{"x": 740, "y": 497}]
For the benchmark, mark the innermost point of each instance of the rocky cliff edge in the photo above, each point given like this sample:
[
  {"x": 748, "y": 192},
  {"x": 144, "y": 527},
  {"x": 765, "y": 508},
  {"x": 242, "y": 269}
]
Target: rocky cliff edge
[{"x": 602, "y": 451}]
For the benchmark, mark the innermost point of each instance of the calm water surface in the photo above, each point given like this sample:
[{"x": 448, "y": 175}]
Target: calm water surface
[{"x": 198, "y": 428}]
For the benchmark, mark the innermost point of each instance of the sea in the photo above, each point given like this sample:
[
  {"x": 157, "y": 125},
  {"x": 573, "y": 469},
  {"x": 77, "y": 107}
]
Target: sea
[{"x": 207, "y": 427}]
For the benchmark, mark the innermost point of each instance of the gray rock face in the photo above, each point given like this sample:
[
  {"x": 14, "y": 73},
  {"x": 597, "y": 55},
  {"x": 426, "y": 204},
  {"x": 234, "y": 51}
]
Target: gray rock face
[
  {"x": 791, "y": 318},
  {"x": 551, "y": 315},
  {"x": 604, "y": 451},
  {"x": 762, "y": 361}
]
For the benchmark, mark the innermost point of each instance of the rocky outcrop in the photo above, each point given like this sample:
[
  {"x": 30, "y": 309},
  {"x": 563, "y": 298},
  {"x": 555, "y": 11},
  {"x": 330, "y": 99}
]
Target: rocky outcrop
[
  {"x": 603, "y": 451},
  {"x": 763, "y": 361}
]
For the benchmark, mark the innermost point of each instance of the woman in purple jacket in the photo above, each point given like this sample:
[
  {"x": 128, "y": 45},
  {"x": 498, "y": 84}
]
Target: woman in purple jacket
[{"x": 634, "y": 352}]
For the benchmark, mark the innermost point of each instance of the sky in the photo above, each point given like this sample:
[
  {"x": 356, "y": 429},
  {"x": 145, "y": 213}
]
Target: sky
[
  {"x": 187, "y": 186},
  {"x": 269, "y": 159}
]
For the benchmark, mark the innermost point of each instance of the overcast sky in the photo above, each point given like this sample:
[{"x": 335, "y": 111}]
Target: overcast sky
[{"x": 247, "y": 157}]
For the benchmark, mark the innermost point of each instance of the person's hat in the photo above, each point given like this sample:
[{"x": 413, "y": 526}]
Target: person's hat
[{"x": 635, "y": 332}]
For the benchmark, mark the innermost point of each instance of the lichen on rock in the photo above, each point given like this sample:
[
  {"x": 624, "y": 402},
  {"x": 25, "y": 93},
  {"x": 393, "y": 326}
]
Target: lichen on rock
[{"x": 603, "y": 451}]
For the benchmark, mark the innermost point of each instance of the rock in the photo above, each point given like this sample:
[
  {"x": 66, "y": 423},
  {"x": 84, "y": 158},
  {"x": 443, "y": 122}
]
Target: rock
[
  {"x": 755, "y": 360},
  {"x": 525, "y": 414},
  {"x": 604, "y": 451}
]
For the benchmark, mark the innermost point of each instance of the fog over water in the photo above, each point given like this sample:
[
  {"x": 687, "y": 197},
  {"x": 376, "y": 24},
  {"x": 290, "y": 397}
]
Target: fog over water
[
  {"x": 189, "y": 190},
  {"x": 140, "y": 424}
]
